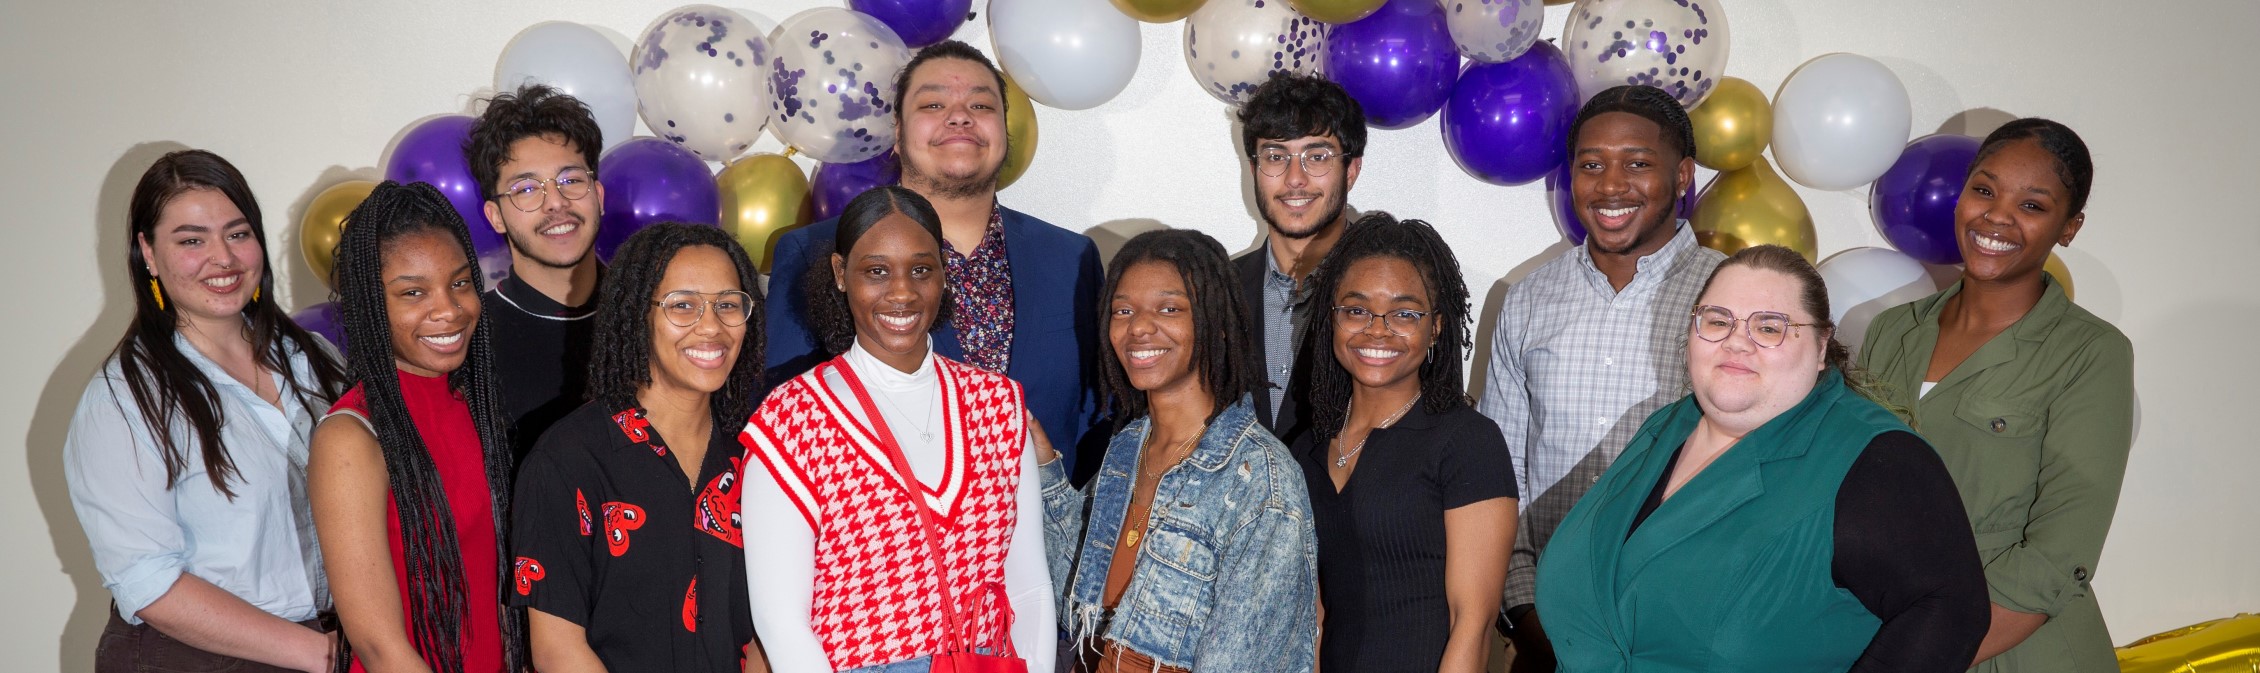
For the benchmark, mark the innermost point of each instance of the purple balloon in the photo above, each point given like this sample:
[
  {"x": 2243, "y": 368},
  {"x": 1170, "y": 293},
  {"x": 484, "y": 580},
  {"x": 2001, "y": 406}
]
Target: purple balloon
[
  {"x": 917, "y": 22},
  {"x": 1565, "y": 208},
  {"x": 647, "y": 181},
  {"x": 1399, "y": 63},
  {"x": 834, "y": 185},
  {"x": 431, "y": 152},
  {"x": 1913, "y": 203},
  {"x": 322, "y": 319},
  {"x": 1508, "y": 123}
]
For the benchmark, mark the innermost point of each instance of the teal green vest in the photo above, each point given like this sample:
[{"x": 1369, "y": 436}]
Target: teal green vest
[{"x": 1733, "y": 572}]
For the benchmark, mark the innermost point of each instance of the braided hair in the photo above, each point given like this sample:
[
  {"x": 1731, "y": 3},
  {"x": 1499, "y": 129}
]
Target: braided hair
[
  {"x": 1220, "y": 319},
  {"x": 437, "y": 604},
  {"x": 164, "y": 383},
  {"x": 828, "y": 313},
  {"x": 620, "y": 362},
  {"x": 1379, "y": 235},
  {"x": 1648, "y": 103}
]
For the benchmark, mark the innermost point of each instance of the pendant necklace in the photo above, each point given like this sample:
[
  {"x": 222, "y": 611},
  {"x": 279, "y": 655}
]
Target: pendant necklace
[
  {"x": 1343, "y": 459},
  {"x": 926, "y": 433}
]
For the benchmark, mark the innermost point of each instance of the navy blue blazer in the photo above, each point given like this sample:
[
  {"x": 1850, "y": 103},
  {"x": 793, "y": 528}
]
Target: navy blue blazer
[{"x": 1055, "y": 287}]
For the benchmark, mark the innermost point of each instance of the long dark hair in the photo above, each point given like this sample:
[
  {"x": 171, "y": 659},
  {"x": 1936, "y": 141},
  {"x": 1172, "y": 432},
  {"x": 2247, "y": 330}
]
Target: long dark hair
[
  {"x": 620, "y": 363},
  {"x": 1220, "y": 319},
  {"x": 828, "y": 313},
  {"x": 437, "y": 604},
  {"x": 1380, "y": 235},
  {"x": 164, "y": 384}
]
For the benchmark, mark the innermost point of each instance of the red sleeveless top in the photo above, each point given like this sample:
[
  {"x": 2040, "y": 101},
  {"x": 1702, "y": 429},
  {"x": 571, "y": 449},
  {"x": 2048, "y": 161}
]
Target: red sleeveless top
[
  {"x": 876, "y": 600},
  {"x": 443, "y": 420}
]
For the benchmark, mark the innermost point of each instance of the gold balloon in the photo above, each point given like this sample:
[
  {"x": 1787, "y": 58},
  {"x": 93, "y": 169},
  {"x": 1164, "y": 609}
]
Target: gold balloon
[
  {"x": 1337, "y": 11},
  {"x": 324, "y": 223},
  {"x": 2218, "y": 646},
  {"x": 1020, "y": 133},
  {"x": 1158, "y": 11},
  {"x": 1753, "y": 206},
  {"x": 763, "y": 196},
  {"x": 1559, "y": 2},
  {"x": 1732, "y": 125},
  {"x": 2055, "y": 267}
]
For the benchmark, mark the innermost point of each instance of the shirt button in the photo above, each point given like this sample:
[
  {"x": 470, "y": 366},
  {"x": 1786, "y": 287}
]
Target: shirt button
[
  {"x": 2000, "y": 425},
  {"x": 1604, "y": 420},
  {"x": 1609, "y": 361},
  {"x": 2079, "y": 573},
  {"x": 1595, "y": 479}
]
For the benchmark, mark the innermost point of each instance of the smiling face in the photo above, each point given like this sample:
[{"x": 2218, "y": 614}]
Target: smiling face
[
  {"x": 893, "y": 282},
  {"x": 1384, "y": 287},
  {"x": 1738, "y": 382},
  {"x": 1151, "y": 329},
  {"x": 695, "y": 360},
  {"x": 430, "y": 300},
  {"x": 1295, "y": 203},
  {"x": 559, "y": 232},
  {"x": 2013, "y": 209},
  {"x": 952, "y": 138},
  {"x": 1625, "y": 182},
  {"x": 203, "y": 253}
]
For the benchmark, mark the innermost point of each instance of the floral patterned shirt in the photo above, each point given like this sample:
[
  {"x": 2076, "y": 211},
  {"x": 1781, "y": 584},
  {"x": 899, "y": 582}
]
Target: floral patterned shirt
[{"x": 983, "y": 281}]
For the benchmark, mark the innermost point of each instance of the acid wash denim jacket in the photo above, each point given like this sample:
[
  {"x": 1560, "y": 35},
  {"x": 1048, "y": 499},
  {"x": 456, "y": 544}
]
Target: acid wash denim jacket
[{"x": 1227, "y": 577}]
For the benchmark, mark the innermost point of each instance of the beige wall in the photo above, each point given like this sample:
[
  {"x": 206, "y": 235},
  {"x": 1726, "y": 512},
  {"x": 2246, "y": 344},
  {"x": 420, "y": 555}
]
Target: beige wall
[{"x": 303, "y": 94}]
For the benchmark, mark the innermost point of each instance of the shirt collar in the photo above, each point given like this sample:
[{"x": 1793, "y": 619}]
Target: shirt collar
[
  {"x": 991, "y": 237},
  {"x": 2036, "y": 324},
  {"x": 1653, "y": 265},
  {"x": 885, "y": 377}
]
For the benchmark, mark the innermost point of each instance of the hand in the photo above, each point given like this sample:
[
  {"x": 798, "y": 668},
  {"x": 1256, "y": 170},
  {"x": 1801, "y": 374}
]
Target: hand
[{"x": 1044, "y": 452}]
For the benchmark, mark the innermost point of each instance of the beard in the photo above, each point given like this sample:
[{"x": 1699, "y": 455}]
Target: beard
[
  {"x": 946, "y": 186},
  {"x": 1270, "y": 221},
  {"x": 524, "y": 249},
  {"x": 1660, "y": 225}
]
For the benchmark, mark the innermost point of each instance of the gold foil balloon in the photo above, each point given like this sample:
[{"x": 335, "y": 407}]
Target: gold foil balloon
[
  {"x": 2218, "y": 646},
  {"x": 763, "y": 196},
  {"x": 1158, "y": 11},
  {"x": 1732, "y": 125},
  {"x": 324, "y": 223},
  {"x": 1753, "y": 206},
  {"x": 1020, "y": 133},
  {"x": 2055, "y": 267},
  {"x": 1337, "y": 11}
]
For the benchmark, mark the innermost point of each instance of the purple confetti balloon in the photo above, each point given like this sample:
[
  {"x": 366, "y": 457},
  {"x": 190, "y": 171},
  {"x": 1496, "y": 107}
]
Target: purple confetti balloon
[
  {"x": 1913, "y": 203},
  {"x": 917, "y": 22},
  {"x": 1399, "y": 63},
  {"x": 1565, "y": 208},
  {"x": 647, "y": 181},
  {"x": 322, "y": 319},
  {"x": 431, "y": 152},
  {"x": 1508, "y": 123},
  {"x": 834, "y": 185}
]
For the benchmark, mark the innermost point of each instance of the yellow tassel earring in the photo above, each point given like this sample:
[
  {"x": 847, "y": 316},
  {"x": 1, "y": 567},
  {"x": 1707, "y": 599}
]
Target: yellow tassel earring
[
  {"x": 158, "y": 292},
  {"x": 254, "y": 294}
]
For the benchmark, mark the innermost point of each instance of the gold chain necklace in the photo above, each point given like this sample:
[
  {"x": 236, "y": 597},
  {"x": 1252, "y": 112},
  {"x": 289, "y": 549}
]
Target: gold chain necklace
[
  {"x": 1183, "y": 451},
  {"x": 1343, "y": 459}
]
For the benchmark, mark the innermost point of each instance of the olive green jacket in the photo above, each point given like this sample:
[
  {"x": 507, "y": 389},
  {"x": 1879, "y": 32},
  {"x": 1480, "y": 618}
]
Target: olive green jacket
[{"x": 2035, "y": 427}]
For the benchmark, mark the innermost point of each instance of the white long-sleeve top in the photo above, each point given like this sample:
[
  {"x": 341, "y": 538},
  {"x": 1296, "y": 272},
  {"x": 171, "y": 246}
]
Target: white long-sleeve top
[{"x": 781, "y": 548}]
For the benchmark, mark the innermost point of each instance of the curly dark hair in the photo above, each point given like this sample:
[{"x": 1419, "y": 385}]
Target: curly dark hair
[
  {"x": 1378, "y": 234},
  {"x": 828, "y": 314},
  {"x": 947, "y": 49},
  {"x": 429, "y": 546},
  {"x": 2073, "y": 164},
  {"x": 1648, "y": 103},
  {"x": 1291, "y": 105},
  {"x": 534, "y": 110},
  {"x": 620, "y": 361},
  {"x": 1220, "y": 318}
]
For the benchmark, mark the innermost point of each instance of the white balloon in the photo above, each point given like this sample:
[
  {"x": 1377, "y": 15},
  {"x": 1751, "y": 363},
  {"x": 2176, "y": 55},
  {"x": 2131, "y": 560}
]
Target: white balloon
[
  {"x": 1863, "y": 282},
  {"x": 1679, "y": 46},
  {"x": 699, "y": 80},
  {"x": 1068, "y": 54},
  {"x": 1232, "y": 46},
  {"x": 832, "y": 84},
  {"x": 1494, "y": 31},
  {"x": 578, "y": 61},
  {"x": 1840, "y": 121}
]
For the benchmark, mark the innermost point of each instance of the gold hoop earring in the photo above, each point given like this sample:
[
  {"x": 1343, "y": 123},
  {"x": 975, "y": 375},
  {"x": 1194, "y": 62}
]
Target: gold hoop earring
[{"x": 158, "y": 292}]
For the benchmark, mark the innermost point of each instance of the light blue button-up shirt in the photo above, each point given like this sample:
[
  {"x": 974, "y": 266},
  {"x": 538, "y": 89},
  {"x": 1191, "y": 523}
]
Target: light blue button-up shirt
[{"x": 146, "y": 531}]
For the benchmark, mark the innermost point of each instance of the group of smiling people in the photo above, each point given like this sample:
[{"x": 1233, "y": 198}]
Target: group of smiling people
[{"x": 944, "y": 436}]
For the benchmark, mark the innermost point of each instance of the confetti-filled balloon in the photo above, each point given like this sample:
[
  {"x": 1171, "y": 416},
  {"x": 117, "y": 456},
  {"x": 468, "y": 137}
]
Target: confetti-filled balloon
[
  {"x": 1494, "y": 31},
  {"x": 1068, "y": 54},
  {"x": 1913, "y": 203},
  {"x": 431, "y": 152},
  {"x": 1753, "y": 206},
  {"x": 917, "y": 22},
  {"x": 1840, "y": 121},
  {"x": 1398, "y": 63},
  {"x": 1679, "y": 46},
  {"x": 1863, "y": 282},
  {"x": 832, "y": 83},
  {"x": 1233, "y": 46},
  {"x": 698, "y": 72},
  {"x": 648, "y": 181},
  {"x": 578, "y": 61},
  {"x": 324, "y": 224}
]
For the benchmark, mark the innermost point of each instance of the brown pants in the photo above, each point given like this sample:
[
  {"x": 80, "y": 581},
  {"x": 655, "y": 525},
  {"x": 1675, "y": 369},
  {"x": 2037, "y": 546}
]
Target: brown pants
[{"x": 140, "y": 648}]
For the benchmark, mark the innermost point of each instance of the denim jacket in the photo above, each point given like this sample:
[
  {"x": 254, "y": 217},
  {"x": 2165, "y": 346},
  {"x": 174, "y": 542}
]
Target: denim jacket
[{"x": 1227, "y": 578}]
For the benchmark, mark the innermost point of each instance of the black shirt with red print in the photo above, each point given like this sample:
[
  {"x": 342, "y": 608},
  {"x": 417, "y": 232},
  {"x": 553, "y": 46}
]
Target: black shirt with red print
[{"x": 608, "y": 533}]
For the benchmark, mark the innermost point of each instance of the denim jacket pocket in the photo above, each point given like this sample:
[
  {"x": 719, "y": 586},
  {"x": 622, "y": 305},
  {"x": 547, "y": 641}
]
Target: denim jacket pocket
[{"x": 1179, "y": 545}]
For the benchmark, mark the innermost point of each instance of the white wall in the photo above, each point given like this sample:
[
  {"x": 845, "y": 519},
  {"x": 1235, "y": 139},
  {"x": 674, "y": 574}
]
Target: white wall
[{"x": 301, "y": 95}]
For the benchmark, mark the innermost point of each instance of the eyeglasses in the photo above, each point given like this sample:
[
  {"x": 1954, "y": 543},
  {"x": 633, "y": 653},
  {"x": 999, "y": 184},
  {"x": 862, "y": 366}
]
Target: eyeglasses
[
  {"x": 1316, "y": 161},
  {"x": 684, "y": 307},
  {"x": 1765, "y": 328},
  {"x": 1400, "y": 322},
  {"x": 526, "y": 194}
]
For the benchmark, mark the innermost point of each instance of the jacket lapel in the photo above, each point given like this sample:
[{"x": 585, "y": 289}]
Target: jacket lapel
[{"x": 1251, "y": 269}]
